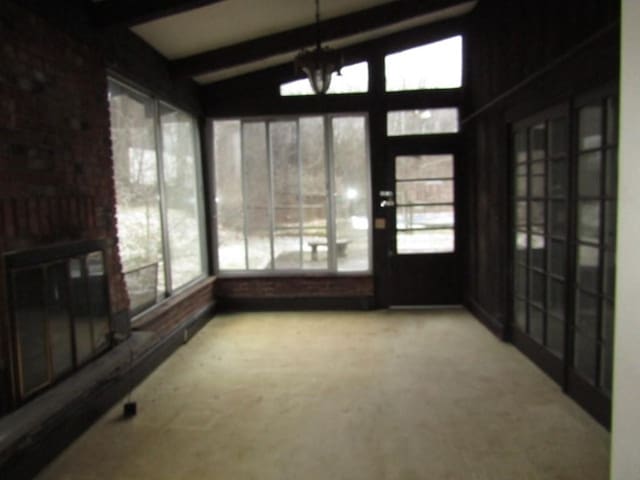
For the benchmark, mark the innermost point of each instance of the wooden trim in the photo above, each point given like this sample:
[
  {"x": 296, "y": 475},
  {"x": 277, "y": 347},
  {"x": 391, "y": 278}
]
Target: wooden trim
[{"x": 594, "y": 401}]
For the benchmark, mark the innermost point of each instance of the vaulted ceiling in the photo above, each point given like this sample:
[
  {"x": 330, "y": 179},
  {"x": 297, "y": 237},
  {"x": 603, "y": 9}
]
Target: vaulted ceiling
[{"x": 213, "y": 40}]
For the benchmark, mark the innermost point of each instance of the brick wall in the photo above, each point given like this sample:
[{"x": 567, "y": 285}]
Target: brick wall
[
  {"x": 295, "y": 287},
  {"x": 55, "y": 170}
]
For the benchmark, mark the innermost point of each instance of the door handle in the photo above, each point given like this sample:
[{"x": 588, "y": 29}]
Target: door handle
[{"x": 387, "y": 203}]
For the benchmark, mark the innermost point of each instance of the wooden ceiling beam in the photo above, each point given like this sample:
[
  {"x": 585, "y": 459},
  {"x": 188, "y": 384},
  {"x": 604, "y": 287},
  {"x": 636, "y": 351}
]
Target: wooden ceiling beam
[
  {"x": 109, "y": 13},
  {"x": 297, "y": 38}
]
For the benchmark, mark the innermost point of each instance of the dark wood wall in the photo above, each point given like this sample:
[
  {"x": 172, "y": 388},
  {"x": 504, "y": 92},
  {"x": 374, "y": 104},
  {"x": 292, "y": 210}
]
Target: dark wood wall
[{"x": 522, "y": 57}]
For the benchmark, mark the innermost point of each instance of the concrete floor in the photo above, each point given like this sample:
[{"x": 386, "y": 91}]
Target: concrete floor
[{"x": 369, "y": 395}]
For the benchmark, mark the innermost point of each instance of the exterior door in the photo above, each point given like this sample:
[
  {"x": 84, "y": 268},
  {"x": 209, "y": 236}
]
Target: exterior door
[{"x": 420, "y": 207}]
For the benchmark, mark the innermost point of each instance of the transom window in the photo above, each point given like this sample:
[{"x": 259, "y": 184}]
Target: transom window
[
  {"x": 352, "y": 79},
  {"x": 435, "y": 65},
  {"x": 422, "y": 122},
  {"x": 292, "y": 194}
]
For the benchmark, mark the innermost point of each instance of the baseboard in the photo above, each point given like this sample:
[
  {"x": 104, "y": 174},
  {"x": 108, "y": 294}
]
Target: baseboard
[
  {"x": 288, "y": 304},
  {"x": 38, "y": 448},
  {"x": 488, "y": 320}
]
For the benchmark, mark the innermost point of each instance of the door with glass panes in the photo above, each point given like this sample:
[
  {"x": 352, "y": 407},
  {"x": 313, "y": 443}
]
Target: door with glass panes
[
  {"x": 564, "y": 204},
  {"x": 422, "y": 240}
]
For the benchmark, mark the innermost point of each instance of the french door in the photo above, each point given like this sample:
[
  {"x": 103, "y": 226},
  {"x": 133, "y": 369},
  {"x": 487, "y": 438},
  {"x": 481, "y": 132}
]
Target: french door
[{"x": 564, "y": 208}]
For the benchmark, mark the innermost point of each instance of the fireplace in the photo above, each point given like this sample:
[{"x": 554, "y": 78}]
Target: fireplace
[{"x": 58, "y": 317}]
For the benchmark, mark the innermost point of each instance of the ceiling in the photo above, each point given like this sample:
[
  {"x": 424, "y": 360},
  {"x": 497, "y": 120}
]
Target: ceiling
[{"x": 213, "y": 40}]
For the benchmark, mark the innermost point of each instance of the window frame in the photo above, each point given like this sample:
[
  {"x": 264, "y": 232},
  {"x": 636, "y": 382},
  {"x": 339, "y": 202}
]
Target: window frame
[
  {"x": 169, "y": 290},
  {"x": 332, "y": 260}
]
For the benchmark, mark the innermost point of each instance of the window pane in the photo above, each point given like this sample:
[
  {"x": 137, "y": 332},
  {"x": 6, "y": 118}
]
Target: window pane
[
  {"x": 538, "y": 185},
  {"x": 521, "y": 215},
  {"x": 536, "y": 288},
  {"x": 351, "y": 195},
  {"x": 136, "y": 181},
  {"x": 538, "y": 142},
  {"x": 536, "y": 324},
  {"x": 588, "y": 263},
  {"x": 558, "y": 184},
  {"x": 558, "y": 218},
  {"x": 555, "y": 336},
  {"x": 521, "y": 281},
  {"x": 556, "y": 298},
  {"x": 537, "y": 254},
  {"x": 435, "y": 65},
  {"x": 585, "y": 356},
  {"x": 182, "y": 195},
  {"x": 314, "y": 190},
  {"x": 98, "y": 301},
  {"x": 227, "y": 160},
  {"x": 586, "y": 314},
  {"x": 440, "y": 216},
  {"x": 558, "y": 137},
  {"x": 81, "y": 310},
  {"x": 352, "y": 79},
  {"x": 522, "y": 244},
  {"x": 589, "y": 221},
  {"x": 590, "y": 127},
  {"x": 537, "y": 217},
  {"x": 31, "y": 329},
  {"x": 57, "y": 300},
  {"x": 557, "y": 258},
  {"x": 425, "y": 241},
  {"x": 287, "y": 228},
  {"x": 520, "y": 147},
  {"x": 424, "y": 167},
  {"x": 422, "y": 122},
  {"x": 427, "y": 191},
  {"x": 257, "y": 195},
  {"x": 606, "y": 330},
  {"x": 589, "y": 174},
  {"x": 521, "y": 186}
]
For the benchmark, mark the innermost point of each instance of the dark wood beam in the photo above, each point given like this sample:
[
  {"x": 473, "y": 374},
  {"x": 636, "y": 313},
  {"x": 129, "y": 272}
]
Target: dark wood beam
[
  {"x": 127, "y": 12},
  {"x": 291, "y": 40}
]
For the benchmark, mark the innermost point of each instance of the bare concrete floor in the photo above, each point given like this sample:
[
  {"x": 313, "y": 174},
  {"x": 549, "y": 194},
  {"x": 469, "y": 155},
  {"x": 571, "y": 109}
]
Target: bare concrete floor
[{"x": 370, "y": 395}]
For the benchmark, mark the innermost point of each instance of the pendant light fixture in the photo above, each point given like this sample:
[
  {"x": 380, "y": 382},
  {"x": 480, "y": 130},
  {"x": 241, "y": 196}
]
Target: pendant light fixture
[{"x": 320, "y": 63}]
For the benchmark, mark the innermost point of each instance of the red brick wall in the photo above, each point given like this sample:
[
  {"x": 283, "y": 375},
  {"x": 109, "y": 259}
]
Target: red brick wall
[
  {"x": 295, "y": 287},
  {"x": 185, "y": 305}
]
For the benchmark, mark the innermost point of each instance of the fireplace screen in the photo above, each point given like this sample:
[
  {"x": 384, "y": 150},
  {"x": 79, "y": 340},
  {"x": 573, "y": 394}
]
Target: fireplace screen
[{"x": 60, "y": 318}]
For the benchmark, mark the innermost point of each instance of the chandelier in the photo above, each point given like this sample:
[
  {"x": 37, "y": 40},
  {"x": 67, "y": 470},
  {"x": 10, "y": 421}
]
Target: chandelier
[{"x": 318, "y": 64}]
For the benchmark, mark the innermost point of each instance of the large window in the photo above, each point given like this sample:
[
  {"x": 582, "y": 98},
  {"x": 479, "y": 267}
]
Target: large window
[
  {"x": 292, "y": 194},
  {"x": 158, "y": 195}
]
